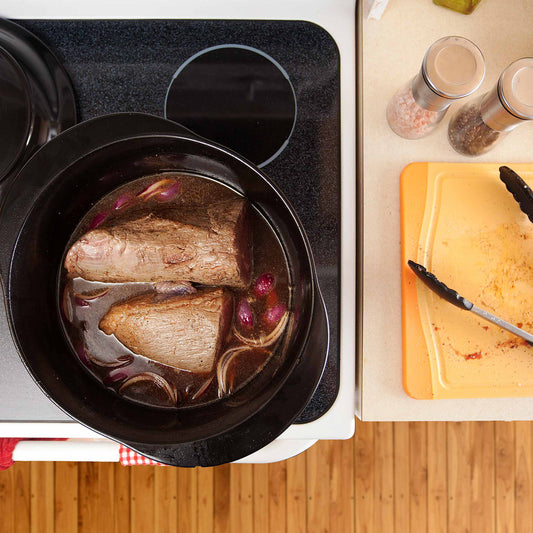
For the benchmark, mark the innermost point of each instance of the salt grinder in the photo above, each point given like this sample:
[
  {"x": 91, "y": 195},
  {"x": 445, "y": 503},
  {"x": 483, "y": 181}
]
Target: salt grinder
[
  {"x": 479, "y": 125},
  {"x": 453, "y": 67}
]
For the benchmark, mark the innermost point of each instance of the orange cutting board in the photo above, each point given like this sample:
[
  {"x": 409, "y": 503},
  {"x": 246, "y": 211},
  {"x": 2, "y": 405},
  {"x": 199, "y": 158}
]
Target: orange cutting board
[{"x": 461, "y": 223}]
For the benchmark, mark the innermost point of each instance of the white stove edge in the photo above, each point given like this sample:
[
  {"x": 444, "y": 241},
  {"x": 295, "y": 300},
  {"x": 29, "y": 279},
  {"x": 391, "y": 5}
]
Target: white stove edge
[
  {"x": 105, "y": 450},
  {"x": 338, "y": 18}
]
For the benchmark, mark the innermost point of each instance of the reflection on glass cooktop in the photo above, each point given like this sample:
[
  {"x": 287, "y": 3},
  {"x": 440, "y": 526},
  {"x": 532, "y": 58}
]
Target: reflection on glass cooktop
[{"x": 267, "y": 89}]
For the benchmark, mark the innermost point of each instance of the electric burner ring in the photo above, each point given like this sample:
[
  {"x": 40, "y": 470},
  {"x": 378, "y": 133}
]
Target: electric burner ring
[{"x": 237, "y": 96}]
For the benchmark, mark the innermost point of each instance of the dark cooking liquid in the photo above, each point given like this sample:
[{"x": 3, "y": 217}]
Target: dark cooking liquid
[{"x": 112, "y": 363}]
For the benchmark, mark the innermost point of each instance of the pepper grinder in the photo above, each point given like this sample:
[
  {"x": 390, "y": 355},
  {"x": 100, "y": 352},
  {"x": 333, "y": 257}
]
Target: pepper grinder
[
  {"x": 453, "y": 67},
  {"x": 479, "y": 125}
]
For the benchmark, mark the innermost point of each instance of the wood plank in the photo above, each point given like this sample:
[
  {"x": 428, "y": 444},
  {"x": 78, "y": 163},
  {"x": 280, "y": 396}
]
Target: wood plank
[
  {"x": 505, "y": 476},
  {"x": 66, "y": 496},
  {"x": 122, "y": 490},
  {"x": 142, "y": 498},
  {"x": 296, "y": 495},
  {"x": 524, "y": 478},
  {"x": 222, "y": 507},
  {"x": 206, "y": 502},
  {"x": 342, "y": 499},
  {"x": 106, "y": 498},
  {"x": 384, "y": 477},
  {"x": 7, "y": 500},
  {"x": 437, "y": 477},
  {"x": 277, "y": 489},
  {"x": 42, "y": 496},
  {"x": 22, "y": 496},
  {"x": 261, "y": 498},
  {"x": 87, "y": 494},
  {"x": 401, "y": 477},
  {"x": 459, "y": 476},
  {"x": 96, "y": 497},
  {"x": 318, "y": 476},
  {"x": 482, "y": 507},
  {"x": 166, "y": 500},
  {"x": 241, "y": 499},
  {"x": 364, "y": 476},
  {"x": 187, "y": 500},
  {"x": 418, "y": 518}
]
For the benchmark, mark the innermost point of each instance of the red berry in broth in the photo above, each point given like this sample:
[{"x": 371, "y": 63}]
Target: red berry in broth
[{"x": 264, "y": 284}]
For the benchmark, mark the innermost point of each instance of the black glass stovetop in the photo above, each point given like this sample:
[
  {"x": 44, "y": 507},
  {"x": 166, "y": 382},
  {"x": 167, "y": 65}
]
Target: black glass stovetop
[{"x": 267, "y": 89}]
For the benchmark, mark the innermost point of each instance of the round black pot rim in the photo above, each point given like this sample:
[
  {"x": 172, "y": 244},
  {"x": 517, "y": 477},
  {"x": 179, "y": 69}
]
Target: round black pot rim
[{"x": 146, "y": 446}]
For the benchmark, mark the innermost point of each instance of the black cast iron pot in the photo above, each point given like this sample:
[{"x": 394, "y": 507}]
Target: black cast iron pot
[{"x": 43, "y": 206}]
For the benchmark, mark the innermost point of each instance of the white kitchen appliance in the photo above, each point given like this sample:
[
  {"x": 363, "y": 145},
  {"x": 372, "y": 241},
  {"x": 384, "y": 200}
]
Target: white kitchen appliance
[{"x": 129, "y": 56}]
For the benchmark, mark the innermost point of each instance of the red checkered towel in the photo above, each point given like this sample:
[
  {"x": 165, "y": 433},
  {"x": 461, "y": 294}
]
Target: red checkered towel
[
  {"x": 6, "y": 452},
  {"x": 130, "y": 458}
]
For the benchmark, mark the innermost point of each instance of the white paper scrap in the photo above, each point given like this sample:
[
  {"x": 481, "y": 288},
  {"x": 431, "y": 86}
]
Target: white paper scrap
[{"x": 375, "y": 8}]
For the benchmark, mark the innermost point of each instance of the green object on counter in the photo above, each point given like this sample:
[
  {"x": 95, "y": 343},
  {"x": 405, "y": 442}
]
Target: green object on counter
[{"x": 463, "y": 6}]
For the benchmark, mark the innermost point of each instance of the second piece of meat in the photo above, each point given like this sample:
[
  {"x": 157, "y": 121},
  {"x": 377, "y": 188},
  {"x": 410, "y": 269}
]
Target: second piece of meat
[
  {"x": 208, "y": 245},
  {"x": 186, "y": 331}
]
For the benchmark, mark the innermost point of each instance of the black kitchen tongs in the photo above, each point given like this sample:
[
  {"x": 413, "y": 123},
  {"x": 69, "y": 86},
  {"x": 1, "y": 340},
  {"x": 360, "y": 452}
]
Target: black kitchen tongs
[
  {"x": 520, "y": 190},
  {"x": 459, "y": 301},
  {"x": 523, "y": 194}
]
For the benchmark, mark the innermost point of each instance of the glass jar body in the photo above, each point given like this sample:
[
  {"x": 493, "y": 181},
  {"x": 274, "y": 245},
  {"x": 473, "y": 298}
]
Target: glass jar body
[
  {"x": 407, "y": 118},
  {"x": 468, "y": 133}
]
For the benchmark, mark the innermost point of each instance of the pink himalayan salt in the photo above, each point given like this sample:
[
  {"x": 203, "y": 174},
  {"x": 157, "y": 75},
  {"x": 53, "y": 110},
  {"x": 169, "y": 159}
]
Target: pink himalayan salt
[{"x": 407, "y": 119}]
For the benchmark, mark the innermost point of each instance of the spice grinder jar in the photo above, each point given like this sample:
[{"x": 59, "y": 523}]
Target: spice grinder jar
[
  {"x": 477, "y": 126},
  {"x": 453, "y": 67}
]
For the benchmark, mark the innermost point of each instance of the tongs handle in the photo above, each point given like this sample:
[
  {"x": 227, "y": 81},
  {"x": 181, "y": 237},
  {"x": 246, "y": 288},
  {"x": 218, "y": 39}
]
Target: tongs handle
[{"x": 520, "y": 190}]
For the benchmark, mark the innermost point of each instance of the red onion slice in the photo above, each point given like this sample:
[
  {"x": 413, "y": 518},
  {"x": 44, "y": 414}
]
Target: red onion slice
[
  {"x": 156, "y": 379},
  {"x": 97, "y": 220},
  {"x": 222, "y": 368},
  {"x": 119, "y": 362},
  {"x": 125, "y": 200},
  {"x": 168, "y": 194},
  {"x": 116, "y": 375},
  {"x": 265, "y": 340},
  {"x": 169, "y": 188},
  {"x": 174, "y": 287},
  {"x": 225, "y": 385},
  {"x": 203, "y": 389},
  {"x": 84, "y": 299},
  {"x": 80, "y": 302},
  {"x": 264, "y": 284}
]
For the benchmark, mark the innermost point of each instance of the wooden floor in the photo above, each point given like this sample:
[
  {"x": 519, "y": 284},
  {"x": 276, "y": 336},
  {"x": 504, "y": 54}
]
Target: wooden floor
[{"x": 435, "y": 477}]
